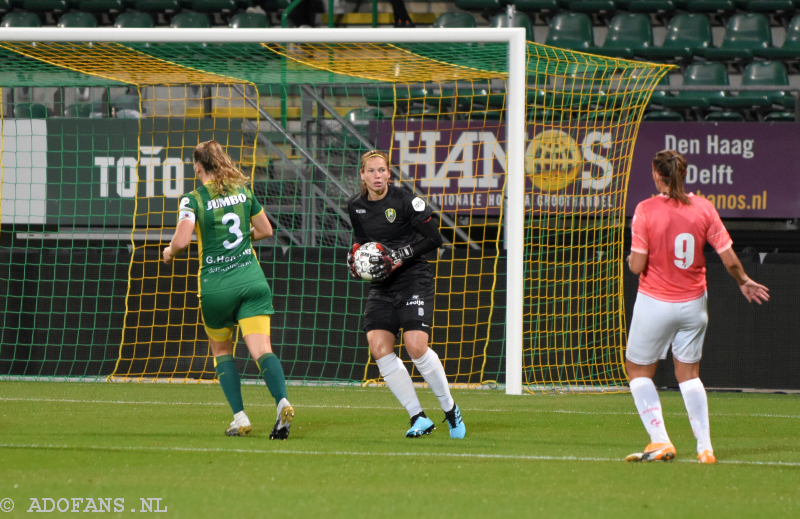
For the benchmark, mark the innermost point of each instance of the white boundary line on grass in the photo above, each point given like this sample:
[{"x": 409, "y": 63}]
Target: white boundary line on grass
[
  {"x": 524, "y": 457},
  {"x": 554, "y": 411}
]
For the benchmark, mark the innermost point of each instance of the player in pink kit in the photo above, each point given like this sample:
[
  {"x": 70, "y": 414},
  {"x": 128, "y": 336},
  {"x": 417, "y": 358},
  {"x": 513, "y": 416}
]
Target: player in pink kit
[{"x": 669, "y": 233}]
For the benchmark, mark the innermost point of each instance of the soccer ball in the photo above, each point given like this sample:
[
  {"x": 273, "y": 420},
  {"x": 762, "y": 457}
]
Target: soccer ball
[{"x": 366, "y": 257}]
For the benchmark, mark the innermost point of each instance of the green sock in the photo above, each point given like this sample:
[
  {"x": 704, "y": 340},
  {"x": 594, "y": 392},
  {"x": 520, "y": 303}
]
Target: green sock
[
  {"x": 228, "y": 377},
  {"x": 272, "y": 372}
]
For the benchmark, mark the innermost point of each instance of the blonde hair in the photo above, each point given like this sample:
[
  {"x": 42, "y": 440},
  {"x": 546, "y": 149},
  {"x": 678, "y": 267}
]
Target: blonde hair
[
  {"x": 370, "y": 155},
  {"x": 219, "y": 165},
  {"x": 671, "y": 167}
]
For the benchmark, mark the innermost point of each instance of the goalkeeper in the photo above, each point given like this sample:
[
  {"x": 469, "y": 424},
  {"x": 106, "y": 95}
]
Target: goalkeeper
[
  {"x": 402, "y": 290},
  {"x": 233, "y": 288}
]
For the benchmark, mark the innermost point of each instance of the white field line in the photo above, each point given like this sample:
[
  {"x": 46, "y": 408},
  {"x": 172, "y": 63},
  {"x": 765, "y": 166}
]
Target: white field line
[
  {"x": 354, "y": 407},
  {"x": 503, "y": 457}
]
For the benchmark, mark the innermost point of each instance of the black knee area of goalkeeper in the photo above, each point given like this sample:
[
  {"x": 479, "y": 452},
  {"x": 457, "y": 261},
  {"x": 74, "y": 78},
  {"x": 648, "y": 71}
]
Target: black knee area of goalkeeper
[{"x": 421, "y": 326}]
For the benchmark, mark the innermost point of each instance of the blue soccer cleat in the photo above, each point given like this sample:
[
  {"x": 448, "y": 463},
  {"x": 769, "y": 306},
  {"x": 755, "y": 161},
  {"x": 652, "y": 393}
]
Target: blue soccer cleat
[
  {"x": 456, "y": 424},
  {"x": 420, "y": 424}
]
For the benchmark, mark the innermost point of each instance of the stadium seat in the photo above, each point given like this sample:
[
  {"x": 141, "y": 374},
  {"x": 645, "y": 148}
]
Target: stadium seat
[
  {"x": 249, "y": 21},
  {"x": 481, "y": 5},
  {"x": 77, "y": 19},
  {"x": 20, "y": 19},
  {"x": 663, "y": 116},
  {"x": 686, "y": 33},
  {"x": 772, "y": 73},
  {"x": 725, "y": 117},
  {"x": 520, "y": 20},
  {"x": 361, "y": 119},
  {"x": 45, "y": 6},
  {"x": 790, "y": 50},
  {"x": 477, "y": 93},
  {"x": 600, "y": 9},
  {"x": 628, "y": 34},
  {"x": 157, "y": 6},
  {"x": 699, "y": 74},
  {"x": 571, "y": 31},
  {"x": 190, "y": 21},
  {"x": 213, "y": 6},
  {"x": 780, "y": 117},
  {"x": 126, "y": 106},
  {"x": 744, "y": 34},
  {"x": 544, "y": 8},
  {"x": 780, "y": 9},
  {"x": 711, "y": 6},
  {"x": 133, "y": 19},
  {"x": 101, "y": 6},
  {"x": 83, "y": 110},
  {"x": 30, "y": 111},
  {"x": 5, "y": 6},
  {"x": 658, "y": 8},
  {"x": 464, "y": 20}
]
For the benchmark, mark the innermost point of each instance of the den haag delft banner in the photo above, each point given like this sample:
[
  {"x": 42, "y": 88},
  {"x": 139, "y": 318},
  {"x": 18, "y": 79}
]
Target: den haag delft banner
[
  {"x": 747, "y": 170},
  {"x": 88, "y": 172}
]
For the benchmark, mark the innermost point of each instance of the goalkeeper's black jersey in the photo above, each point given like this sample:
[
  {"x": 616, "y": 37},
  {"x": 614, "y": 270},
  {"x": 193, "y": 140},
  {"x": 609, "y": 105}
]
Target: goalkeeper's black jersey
[{"x": 389, "y": 221}]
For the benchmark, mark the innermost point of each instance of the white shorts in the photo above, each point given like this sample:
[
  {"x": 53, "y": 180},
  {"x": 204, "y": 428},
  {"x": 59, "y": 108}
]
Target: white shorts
[{"x": 657, "y": 325}]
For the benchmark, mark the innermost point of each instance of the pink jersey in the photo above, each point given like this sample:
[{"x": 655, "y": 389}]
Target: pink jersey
[{"x": 673, "y": 236}]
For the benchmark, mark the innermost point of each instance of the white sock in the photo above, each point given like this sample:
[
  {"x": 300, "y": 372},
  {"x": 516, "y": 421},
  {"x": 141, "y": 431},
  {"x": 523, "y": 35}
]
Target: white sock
[
  {"x": 431, "y": 369},
  {"x": 648, "y": 404},
  {"x": 696, "y": 400},
  {"x": 399, "y": 381},
  {"x": 241, "y": 418}
]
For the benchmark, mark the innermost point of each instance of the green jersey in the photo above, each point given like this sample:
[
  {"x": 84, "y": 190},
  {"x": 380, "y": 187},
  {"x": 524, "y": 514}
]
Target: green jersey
[{"x": 222, "y": 224}]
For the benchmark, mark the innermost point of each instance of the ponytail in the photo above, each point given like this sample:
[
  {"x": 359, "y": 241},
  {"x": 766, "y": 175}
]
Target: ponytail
[
  {"x": 671, "y": 167},
  {"x": 219, "y": 165}
]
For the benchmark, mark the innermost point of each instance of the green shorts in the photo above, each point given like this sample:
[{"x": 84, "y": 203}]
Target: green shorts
[{"x": 224, "y": 308}]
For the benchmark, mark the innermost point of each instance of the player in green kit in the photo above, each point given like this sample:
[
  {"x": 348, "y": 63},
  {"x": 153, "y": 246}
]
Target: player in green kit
[{"x": 233, "y": 289}]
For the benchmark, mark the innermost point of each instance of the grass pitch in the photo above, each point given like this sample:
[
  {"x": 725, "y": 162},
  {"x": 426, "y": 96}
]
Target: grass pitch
[{"x": 525, "y": 456}]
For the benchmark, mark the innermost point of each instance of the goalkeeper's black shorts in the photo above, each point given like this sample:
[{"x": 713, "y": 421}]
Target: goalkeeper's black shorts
[{"x": 404, "y": 300}]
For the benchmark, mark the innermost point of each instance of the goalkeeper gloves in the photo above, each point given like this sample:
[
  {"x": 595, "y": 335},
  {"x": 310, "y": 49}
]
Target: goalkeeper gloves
[
  {"x": 351, "y": 261},
  {"x": 390, "y": 261}
]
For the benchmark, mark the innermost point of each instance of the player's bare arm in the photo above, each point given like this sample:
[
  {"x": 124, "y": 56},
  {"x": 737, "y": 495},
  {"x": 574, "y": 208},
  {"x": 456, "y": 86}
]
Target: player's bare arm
[
  {"x": 751, "y": 290},
  {"x": 183, "y": 235},
  {"x": 637, "y": 261},
  {"x": 260, "y": 227}
]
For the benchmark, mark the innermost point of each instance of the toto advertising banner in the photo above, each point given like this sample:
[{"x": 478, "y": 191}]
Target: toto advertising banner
[{"x": 747, "y": 170}]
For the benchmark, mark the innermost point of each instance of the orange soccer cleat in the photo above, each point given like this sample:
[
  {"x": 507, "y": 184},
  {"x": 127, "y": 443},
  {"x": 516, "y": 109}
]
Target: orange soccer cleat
[
  {"x": 706, "y": 456},
  {"x": 654, "y": 452}
]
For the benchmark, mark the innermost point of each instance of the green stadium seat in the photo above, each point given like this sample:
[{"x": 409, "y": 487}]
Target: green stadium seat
[
  {"x": 711, "y": 6},
  {"x": 520, "y": 20},
  {"x": 481, "y": 5},
  {"x": 84, "y": 110},
  {"x": 272, "y": 6},
  {"x": 629, "y": 35},
  {"x": 571, "y": 31},
  {"x": 190, "y": 21},
  {"x": 361, "y": 119},
  {"x": 654, "y": 7},
  {"x": 599, "y": 9},
  {"x": 77, "y": 19},
  {"x": 463, "y": 20},
  {"x": 21, "y": 19},
  {"x": 744, "y": 34},
  {"x": 45, "y": 6},
  {"x": 700, "y": 74},
  {"x": 134, "y": 19},
  {"x": 790, "y": 50},
  {"x": 780, "y": 117},
  {"x": 725, "y": 117},
  {"x": 470, "y": 94},
  {"x": 102, "y": 6},
  {"x": 249, "y": 21},
  {"x": 5, "y": 6},
  {"x": 157, "y": 6},
  {"x": 30, "y": 111},
  {"x": 663, "y": 116},
  {"x": 213, "y": 6},
  {"x": 686, "y": 34},
  {"x": 544, "y": 8},
  {"x": 771, "y": 73},
  {"x": 406, "y": 97}
]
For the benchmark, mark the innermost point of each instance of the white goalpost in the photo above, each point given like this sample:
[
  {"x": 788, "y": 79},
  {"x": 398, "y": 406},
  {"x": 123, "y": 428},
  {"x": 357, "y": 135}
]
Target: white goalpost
[{"x": 515, "y": 118}]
